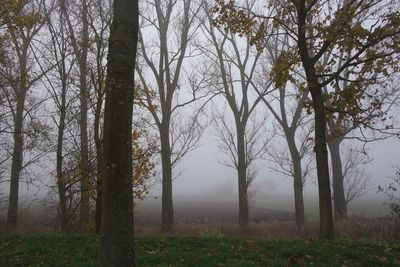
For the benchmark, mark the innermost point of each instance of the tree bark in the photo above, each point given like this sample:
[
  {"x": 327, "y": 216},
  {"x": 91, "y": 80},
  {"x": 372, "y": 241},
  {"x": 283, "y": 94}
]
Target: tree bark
[
  {"x": 339, "y": 200},
  {"x": 297, "y": 180},
  {"x": 116, "y": 235},
  {"x": 16, "y": 164},
  {"x": 99, "y": 159},
  {"x": 167, "y": 214},
  {"x": 83, "y": 123},
  {"x": 59, "y": 165},
  {"x": 242, "y": 178},
  {"x": 18, "y": 149},
  {"x": 324, "y": 188}
]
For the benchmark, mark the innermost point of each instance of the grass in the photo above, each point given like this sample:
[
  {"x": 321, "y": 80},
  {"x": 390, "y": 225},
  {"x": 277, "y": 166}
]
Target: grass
[{"x": 209, "y": 249}]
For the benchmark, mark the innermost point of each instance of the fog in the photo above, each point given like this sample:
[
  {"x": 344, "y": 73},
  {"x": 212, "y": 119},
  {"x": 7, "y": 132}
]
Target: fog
[{"x": 202, "y": 177}]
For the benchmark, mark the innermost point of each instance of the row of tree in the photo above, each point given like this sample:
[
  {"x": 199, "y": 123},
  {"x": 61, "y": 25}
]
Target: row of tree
[
  {"x": 53, "y": 73},
  {"x": 344, "y": 54},
  {"x": 245, "y": 58}
]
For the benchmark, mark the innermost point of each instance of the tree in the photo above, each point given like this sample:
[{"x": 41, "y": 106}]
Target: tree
[
  {"x": 369, "y": 115},
  {"x": 99, "y": 19},
  {"x": 357, "y": 182},
  {"x": 392, "y": 193},
  {"x": 23, "y": 23},
  {"x": 164, "y": 58},
  {"x": 80, "y": 47},
  {"x": 368, "y": 30},
  {"x": 294, "y": 160},
  {"x": 233, "y": 67},
  {"x": 242, "y": 159},
  {"x": 116, "y": 234},
  {"x": 286, "y": 105},
  {"x": 60, "y": 93}
]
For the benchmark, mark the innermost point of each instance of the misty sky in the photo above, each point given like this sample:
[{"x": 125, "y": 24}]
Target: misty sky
[{"x": 202, "y": 173}]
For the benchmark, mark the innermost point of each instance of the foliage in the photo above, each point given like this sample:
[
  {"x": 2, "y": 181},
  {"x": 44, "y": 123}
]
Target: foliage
[
  {"x": 14, "y": 14},
  {"x": 354, "y": 47},
  {"x": 143, "y": 151},
  {"x": 53, "y": 249}
]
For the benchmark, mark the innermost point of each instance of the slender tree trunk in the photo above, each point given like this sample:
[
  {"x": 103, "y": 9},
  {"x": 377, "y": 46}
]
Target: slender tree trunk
[
  {"x": 16, "y": 164},
  {"x": 59, "y": 168},
  {"x": 116, "y": 235},
  {"x": 18, "y": 136},
  {"x": 242, "y": 179},
  {"x": 297, "y": 181},
  {"x": 99, "y": 159},
  {"x": 62, "y": 109},
  {"x": 167, "y": 214},
  {"x": 339, "y": 200},
  {"x": 298, "y": 200},
  {"x": 83, "y": 123}
]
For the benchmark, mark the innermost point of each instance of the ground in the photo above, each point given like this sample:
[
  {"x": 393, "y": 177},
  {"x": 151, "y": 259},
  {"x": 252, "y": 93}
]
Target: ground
[{"x": 206, "y": 249}]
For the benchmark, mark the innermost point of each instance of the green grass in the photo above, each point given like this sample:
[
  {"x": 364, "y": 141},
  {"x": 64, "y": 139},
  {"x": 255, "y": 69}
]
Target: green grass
[{"x": 208, "y": 250}]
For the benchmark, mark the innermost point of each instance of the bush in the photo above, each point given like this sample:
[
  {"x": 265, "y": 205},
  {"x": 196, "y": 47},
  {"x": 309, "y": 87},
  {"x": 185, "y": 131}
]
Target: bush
[{"x": 393, "y": 195}]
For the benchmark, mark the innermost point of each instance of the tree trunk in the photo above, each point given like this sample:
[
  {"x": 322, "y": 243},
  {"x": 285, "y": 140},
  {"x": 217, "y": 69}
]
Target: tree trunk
[
  {"x": 167, "y": 214},
  {"x": 16, "y": 164},
  {"x": 297, "y": 180},
  {"x": 83, "y": 123},
  {"x": 18, "y": 136},
  {"x": 242, "y": 179},
  {"x": 324, "y": 188},
  {"x": 339, "y": 200},
  {"x": 116, "y": 235},
  {"x": 99, "y": 159},
  {"x": 59, "y": 168}
]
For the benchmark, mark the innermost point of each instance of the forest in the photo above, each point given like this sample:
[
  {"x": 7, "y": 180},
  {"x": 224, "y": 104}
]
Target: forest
[{"x": 107, "y": 106}]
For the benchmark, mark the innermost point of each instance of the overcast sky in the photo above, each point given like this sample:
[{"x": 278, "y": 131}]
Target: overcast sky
[{"x": 202, "y": 172}]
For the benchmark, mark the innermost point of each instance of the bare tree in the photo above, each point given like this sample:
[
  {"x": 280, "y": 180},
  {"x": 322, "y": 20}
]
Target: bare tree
[
  {"x": 286, "y": 105},
  {"x": 233, "y": 67},
  {"x": 163, "y": 58},
  {"x": 255, "y": 146},
  {"x": 100, "y": 14},
  {"x": 294, "y": 160},
  {"x": 60, "y": 93},
  {"x": 80, "y": 45},
  {"x": 357, "y": 182}
]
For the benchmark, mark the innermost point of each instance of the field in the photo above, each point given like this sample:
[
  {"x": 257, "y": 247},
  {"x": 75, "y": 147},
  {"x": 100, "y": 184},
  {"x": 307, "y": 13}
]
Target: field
[
  {"x": 207, "y": 249},
  {"x": 207, "y": 235}
]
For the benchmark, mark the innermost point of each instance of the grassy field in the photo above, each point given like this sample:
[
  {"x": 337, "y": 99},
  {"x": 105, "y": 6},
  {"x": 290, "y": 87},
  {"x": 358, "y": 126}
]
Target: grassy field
[{"x": 207, "y": 250}]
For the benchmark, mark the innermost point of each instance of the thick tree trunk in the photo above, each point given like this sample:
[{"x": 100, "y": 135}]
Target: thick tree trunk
[
  {"x": 324, "y": 188},
  {"x": 242, "y": 179},
  {"x": 339, "y": 199},
  {"x": 167, "y": 210},
  {"x": 83, "y": 123},
  {"x": 297, "y": 181},
  {"x": 16, "y": 164},
  {"x": 116, "y": 235}
]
